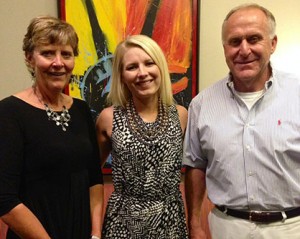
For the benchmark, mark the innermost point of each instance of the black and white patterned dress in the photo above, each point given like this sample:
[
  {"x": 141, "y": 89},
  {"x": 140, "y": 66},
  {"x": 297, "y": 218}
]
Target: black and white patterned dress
[{"x": 147, "y": 202}]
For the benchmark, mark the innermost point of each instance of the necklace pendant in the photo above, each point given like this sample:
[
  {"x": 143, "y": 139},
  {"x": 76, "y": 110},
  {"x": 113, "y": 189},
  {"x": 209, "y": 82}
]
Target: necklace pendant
[{"x": 59, "y": 118}]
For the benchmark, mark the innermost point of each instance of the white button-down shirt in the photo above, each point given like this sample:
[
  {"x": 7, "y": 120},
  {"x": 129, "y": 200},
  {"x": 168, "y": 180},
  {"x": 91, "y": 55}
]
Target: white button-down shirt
[{"x": 251, "y": 157}]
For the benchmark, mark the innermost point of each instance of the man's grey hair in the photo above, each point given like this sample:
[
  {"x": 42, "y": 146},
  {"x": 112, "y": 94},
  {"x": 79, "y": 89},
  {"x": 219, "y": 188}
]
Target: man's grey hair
[{"x": 269, "y": 15}]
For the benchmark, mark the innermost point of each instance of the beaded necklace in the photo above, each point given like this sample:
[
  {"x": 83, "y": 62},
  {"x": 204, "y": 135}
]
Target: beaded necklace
[
  {"x": 60, "y": 118},
  {"x": 149, "y": 133}
]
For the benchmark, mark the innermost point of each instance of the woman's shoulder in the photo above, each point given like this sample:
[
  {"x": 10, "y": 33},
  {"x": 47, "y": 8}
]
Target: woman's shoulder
[
  {"x": 106, "y": 113},
  {"x": 105, "y": 117},
  {"x": 15, "y": 110},
  {"x": 7, "y": 100},
  {"x": 183, "y": 115},
  {"x": 80, "y": 104},
  {"x": 11, "y": 103},
  {"x": 181, "y": 110},
  {"x": 77, "y": 101}
]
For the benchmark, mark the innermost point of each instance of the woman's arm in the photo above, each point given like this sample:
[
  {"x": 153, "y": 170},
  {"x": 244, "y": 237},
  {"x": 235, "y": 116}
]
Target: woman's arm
[
  {"x": 14, "y": 213},
  {"x": 104, "y": 131},
  {"x": 183, "y": 116},
  {"x": 24, "y": 223},
  {"x": 96, "y": 204}
]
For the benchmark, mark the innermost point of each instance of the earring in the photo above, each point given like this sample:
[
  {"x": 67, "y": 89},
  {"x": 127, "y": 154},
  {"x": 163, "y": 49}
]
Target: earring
[
  {"x": 33, "y": 78},
  {"x": 72, "y": 80}
]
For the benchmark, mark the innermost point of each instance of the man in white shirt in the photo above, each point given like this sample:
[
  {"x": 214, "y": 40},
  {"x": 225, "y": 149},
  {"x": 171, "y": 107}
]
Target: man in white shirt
[{"x": 242, "y": 142}]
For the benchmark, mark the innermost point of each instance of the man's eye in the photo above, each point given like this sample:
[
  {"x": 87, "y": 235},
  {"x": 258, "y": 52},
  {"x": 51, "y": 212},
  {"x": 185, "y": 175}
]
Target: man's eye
[
  {"x": 235, "y": 42},
  {"x": 253, "y": 39}
]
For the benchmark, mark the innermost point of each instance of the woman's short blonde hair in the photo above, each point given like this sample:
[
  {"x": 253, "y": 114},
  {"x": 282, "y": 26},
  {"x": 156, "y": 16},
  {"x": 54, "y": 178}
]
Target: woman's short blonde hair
[
  {"x": 45, "y": 30},
  {"x": 119, "y": 94}
]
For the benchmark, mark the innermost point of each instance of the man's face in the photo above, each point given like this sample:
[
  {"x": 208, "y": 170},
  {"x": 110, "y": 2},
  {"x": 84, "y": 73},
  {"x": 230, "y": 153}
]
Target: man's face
[{"x": 248, "y": 47}]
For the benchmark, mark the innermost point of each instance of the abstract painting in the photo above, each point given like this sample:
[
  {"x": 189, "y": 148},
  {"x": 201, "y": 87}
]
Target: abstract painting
[{"x": 102, "y": 24}]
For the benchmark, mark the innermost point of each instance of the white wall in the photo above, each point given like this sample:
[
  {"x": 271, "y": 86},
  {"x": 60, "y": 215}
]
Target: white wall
[
  {"x": 15, "y": 16},
  {"x": 212, "y": 63}
]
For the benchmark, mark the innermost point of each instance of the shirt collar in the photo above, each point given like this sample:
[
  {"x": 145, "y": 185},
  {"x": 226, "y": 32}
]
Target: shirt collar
[{"x": 268, "y": 83}]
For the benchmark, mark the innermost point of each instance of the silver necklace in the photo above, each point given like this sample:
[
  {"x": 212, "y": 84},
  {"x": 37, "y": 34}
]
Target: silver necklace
[{"x": 61, "y": 118}]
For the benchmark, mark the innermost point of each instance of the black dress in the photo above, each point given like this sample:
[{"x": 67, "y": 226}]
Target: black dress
[
  {"x": 147, "y": 202},
  {"x": 48, "y": 169}
]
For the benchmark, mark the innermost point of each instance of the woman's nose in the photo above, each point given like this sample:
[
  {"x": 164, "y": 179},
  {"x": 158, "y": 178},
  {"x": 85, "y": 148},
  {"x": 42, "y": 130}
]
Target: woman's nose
[
  {"x": 58, "y": 60},
  {"x": 142, "y": 71}
]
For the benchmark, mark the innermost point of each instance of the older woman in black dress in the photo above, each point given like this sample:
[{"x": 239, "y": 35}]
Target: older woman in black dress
[{"x": 50, "y": 174}]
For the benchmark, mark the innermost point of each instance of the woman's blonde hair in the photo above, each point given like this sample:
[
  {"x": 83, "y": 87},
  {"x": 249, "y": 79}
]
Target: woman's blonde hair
[
  {"x": 44, "y": 30},
  {"x": 119, "y": 94}
]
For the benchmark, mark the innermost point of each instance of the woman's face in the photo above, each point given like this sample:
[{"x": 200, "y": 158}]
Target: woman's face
[
  {"x": 140, "y": 73},
  {"x": 52, "y": 65}
]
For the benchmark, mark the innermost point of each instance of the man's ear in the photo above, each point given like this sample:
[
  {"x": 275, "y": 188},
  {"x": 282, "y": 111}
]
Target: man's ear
[{"x": 274, "y": 44}]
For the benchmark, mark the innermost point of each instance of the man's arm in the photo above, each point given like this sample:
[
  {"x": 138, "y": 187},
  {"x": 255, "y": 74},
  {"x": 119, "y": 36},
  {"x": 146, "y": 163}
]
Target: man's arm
[{"x": 194, "y": 193}]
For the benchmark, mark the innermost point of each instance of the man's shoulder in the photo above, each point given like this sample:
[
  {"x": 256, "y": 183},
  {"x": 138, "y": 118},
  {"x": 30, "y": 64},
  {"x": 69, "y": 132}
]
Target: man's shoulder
[
  {"x": 214, "y": 90},
  {"x": 288, "y": 75},
  {"x": 286, "y": 80}
]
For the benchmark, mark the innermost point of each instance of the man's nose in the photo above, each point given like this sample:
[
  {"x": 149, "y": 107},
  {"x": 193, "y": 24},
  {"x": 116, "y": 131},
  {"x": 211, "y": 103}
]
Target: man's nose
[{"x": 244, "y": 48}]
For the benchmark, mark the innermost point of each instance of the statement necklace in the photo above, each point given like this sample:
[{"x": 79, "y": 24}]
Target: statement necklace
[
  {"x": 60, "y": 118},
  {"x": 149, "y": 133}
]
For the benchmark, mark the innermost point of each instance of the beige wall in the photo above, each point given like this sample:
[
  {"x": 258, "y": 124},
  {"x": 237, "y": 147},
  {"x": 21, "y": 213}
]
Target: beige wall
[
  {"x": 15, "y": 16},
  {"x": 212, "y": 65}
]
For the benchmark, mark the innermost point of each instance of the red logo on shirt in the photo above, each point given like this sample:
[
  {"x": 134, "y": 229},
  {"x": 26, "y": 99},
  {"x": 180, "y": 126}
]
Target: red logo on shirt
[{"x": 279, "y": 122}]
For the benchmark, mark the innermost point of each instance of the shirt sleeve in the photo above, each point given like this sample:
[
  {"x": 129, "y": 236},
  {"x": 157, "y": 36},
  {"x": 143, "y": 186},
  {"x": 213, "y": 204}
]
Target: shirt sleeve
[
  {"x": 95, "y": 170},
  {"x": 11, "y": 151},
  {"x": 193, "y": 155}
]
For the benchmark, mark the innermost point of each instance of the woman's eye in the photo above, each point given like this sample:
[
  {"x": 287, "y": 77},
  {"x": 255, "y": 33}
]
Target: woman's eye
[
  {"x": 47, "y": 53},
  {"x": 131, "y": 67},
  {"x": 67, "y": 55},
  {"x": 150, "y": 63}
]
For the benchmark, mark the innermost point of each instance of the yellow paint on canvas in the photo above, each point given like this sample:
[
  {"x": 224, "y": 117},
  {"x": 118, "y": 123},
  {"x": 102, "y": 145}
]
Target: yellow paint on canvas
[
  {"x": 112, "y": 20},
  {"x": 77, "y": 16}
]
